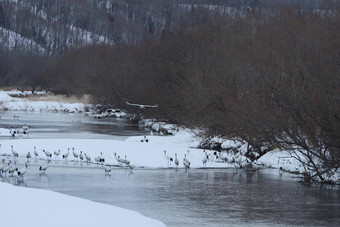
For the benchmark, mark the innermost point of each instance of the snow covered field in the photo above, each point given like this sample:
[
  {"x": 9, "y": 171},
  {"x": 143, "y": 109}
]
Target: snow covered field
[{"x": 35, "y": 207}]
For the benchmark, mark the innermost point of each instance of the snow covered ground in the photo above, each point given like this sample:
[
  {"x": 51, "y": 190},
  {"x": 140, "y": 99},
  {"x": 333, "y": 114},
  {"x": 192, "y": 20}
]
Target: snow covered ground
[
  {"x": 36, "y": 207},
  {"x": 140, "y": 154}
]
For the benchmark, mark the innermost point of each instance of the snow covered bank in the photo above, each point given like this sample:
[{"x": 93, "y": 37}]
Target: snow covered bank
[
  {"x": 9, "y": 103},
  {"x": 141, "y": 154},
  {"x": 36, "y": 207}
]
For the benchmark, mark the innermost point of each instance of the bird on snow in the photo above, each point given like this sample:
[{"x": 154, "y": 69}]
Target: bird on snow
[
  {"x": 81, "y": 156},
  {"x": 44, "y": 167},
  {"x": 12, "y": 169},
  {"x": 56, "y": 154},
  {"x": 48, "y": 155},
  {"x": 88, "y": 158},
  {"x": 186, "y": 162},
  {"x": 75, "y": 154},
  {"x": 66, "y": 154},
  {"x": 2, "y": 165},
  {"x": 119, "y": 159},
  {"x": 15, "y": 154},
  {"x": 176, "y": 160},
  {"x": 125, "y": 161},
  {"x": 28, "y": 156},
  {"x": 6, "y": 168},
  {"x": 168, "y": 158},
  {"x": 141, "y": 106},
  {"x": 36, "y": 153},
  {"x": 206, "y": 157},
  {"x": 116, "y": 157},
  {"x": 21, "y": 172},
  {"x": 97, "y": 159}
]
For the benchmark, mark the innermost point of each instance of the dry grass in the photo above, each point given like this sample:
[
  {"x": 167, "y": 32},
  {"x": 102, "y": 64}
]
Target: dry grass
[
  {"x": 57, "y": 98},
  {"x": 61, "y": 98}
]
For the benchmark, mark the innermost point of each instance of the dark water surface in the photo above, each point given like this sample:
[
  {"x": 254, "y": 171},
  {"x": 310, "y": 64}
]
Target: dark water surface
[
  {"x": 59, "y": 125},
  {"x": 199, "y": 197}
]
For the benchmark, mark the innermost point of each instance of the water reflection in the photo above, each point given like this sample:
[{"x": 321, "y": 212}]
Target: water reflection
[{"x": 59, "y": 125}]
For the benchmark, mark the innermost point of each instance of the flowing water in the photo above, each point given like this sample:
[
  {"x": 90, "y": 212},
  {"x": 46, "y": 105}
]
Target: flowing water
[{"x": 198, "y": 197}]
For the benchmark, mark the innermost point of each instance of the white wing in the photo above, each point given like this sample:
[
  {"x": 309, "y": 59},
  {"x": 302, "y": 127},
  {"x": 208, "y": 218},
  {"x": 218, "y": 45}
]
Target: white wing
[
  {"x": 148, "y": 106},
  {"x": 141, "y": 106},
  {"x": 132, "y": 104}
]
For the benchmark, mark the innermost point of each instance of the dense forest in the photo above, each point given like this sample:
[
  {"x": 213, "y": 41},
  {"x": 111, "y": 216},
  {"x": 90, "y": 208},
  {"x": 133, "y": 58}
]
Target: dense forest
[{"x": 268, "y": 76}]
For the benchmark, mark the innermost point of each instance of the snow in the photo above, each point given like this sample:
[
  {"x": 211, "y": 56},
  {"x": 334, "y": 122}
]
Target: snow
[
  {"x": 36, "y": 207},
  {"x": 4, "y": 97},
  {"x": 281, "y": 159}
]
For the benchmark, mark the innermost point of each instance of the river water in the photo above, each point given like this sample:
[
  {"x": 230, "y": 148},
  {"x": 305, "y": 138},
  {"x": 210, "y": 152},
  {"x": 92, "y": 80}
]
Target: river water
[{"x": 198, "y": 197}]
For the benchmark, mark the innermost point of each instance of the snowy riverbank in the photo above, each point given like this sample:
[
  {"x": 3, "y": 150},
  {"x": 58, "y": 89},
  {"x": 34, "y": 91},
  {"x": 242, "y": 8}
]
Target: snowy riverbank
[
  {"x": 140, "y": 154},
  {"x": 36, "y": 207}
]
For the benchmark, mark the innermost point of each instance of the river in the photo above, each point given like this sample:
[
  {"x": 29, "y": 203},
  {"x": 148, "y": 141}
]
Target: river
[{"x": 198, "y": 197}]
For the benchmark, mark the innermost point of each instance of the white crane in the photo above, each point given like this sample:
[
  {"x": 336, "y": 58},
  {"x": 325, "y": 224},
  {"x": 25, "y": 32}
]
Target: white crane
[
  {"x": 2, "y": 165},
  {"x": 125, "y": 161},
  {"x": 97, "y": 159},
  {"x": 88, "y": 158},
  {"x": 15, "y": 154},
  {"x": 176, "y": 160},
  {"x": 48, "y": 155},
  {"x": 100, "y": 159},
  {"x": 117, "y": 159},
  {"x": 28, "y": 156},
  {"x": 11, "y": 170},
  {"x": 44, "y": 167},
  {"x": 142, "y": 106},
  {"x": 66, "y": 154},
  {"x": 6, "y": 168},
  {"x": 36, "y": 153},
  {"x": 168, "y": 158},
  {"x": 206, "y": 158},
  {"x": 21, "y": 172},
  {"x": 81, "y": 156},
  {"x": 75, "y": 154},
  {"x": 56, "y": 154},
  {"x": 186, "y": 162}
]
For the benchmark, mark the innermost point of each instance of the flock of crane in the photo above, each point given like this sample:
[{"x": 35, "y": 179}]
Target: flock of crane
[
  {"x": 8, "y": 168},
  {"x": 237, "y": 160}
]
